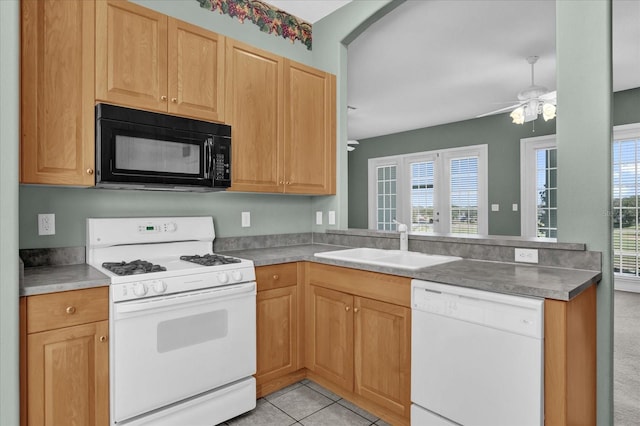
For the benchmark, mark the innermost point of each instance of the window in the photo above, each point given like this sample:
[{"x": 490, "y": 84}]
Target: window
[
  {"x": 539, "y": 187},
  {"x": 625, "y": 206},
  {"x": 539, "y": 202},
  {"x": 437, "y": 191},
  {"x": 386, "y": 207}
]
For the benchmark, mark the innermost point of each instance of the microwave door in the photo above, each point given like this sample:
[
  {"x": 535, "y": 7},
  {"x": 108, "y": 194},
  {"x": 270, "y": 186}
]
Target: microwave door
[{"x": 147, "y": 155}]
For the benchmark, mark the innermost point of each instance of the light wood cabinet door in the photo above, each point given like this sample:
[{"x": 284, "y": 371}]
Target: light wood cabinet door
[
  {"x": 277, "y": 345},
  {"x": 330, "y": 337},
  {"x": 57, "y": 69},
  {"x": 196, "y": 71},
  {"x": 310, "y": 130},
  {"x": 382, "y": 345},
  {"x": 254, "y": 109},
  {"x": 131, "y": 55},
  {"x": 67, "y": 376}
]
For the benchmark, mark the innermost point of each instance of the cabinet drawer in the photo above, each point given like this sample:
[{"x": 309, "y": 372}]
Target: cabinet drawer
[
  {"x": 276, "y": 276},
  {"x": 67, "y": 308}
]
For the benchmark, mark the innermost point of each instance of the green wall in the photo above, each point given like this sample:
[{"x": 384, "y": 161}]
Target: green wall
[
  {"x": 503, "y": 139},
  {"x": 9, "y": 137}
]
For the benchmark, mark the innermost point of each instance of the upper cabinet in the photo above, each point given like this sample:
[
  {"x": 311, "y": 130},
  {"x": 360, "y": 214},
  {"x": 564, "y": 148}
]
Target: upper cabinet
[
  {"x": 283, "y": 119},
  {"x": 309, "y": 130},
  {"x": 254, "y": 109},
  {"x": 56, "y": 108},
  {"x": 147, "y": 60}
]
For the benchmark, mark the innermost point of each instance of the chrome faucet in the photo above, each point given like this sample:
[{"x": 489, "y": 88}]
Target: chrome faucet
[{"x": 404, "y": 235}]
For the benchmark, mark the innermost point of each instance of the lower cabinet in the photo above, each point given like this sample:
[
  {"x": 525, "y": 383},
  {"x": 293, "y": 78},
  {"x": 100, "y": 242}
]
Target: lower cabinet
[
  {"x": 361, "y": 345},
  {"x": 278, "y": 312},
  {"x": 65, "y": 358}
]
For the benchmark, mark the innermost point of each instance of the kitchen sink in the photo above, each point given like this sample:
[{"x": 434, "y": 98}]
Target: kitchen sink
[{"x": 393, "y": 258}]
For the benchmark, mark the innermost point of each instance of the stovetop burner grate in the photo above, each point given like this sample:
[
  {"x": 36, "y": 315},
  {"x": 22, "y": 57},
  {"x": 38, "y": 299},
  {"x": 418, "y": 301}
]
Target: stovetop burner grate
[
  {"x": 210, "y": 259},
  {"x": 132, "y": 268}
]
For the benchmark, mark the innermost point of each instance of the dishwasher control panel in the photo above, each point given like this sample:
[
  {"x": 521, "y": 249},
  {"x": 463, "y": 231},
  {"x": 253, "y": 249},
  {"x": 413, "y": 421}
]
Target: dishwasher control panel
[{"x": 516, "y": 314}]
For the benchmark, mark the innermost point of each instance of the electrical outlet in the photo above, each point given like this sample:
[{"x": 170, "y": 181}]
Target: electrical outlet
[
  {"x": 332, "y": 217},
  {"x": 495, "y": 207},
  {"x": 514, "y": 207},
  {"x": 526, "y": 255},
  {"x": 47, "y": 224},
  {"x": 246, "y": 219},
  {"x": 318, "y": 218}
]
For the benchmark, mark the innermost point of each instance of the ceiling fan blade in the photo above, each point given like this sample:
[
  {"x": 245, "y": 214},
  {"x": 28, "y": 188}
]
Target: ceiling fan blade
[
  {"x": 551, "y": 96},
  {"x": 498, "y": 111}
]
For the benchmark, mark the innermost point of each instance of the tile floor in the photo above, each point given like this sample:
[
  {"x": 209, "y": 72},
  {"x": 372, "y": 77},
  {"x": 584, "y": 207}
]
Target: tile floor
[{"x": 305, "y": 403}]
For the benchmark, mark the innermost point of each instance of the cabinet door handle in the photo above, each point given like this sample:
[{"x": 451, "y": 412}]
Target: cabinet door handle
[
  {"x": 346, "y": 308},
  {"x": 103, "y": 338},
  {"x": 174, "y": 100},
  {"x": 89, "y": 171},
  {"x": 355, "y": 310},
  {"x": 163, "y": 98},
  {"x": 275, "y": 277},
  {"x": 71, "y": 310},
  {"x": 287, "y": 183}
]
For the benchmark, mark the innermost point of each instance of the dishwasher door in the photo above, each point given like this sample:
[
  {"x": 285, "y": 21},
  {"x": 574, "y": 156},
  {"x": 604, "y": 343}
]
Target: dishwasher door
[{"x": 476, "y": 358}]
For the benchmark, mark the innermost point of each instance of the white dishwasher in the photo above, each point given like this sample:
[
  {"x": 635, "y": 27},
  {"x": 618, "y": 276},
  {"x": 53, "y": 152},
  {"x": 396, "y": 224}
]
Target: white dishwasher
[{"x": 476, "y": 357}]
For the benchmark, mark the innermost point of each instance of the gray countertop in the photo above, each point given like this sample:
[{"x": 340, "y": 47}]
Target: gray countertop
[
  {"x": 51, "y": 279},
  {"x": 511, "y": 278}
]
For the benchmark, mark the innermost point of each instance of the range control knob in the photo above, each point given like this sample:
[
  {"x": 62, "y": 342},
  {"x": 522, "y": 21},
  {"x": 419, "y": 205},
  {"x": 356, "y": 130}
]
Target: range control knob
[
  {"x": 139, "y": 289},
  {"x": 223, "y": 277},
  {"x": 236, "y": 275},
  {"x": 158, "y": 286}
]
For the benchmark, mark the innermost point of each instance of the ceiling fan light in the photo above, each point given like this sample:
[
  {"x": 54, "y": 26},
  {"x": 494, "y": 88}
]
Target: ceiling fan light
[
  {"x": 517, "y": 115},
  {"x": 548, "y": 111}
]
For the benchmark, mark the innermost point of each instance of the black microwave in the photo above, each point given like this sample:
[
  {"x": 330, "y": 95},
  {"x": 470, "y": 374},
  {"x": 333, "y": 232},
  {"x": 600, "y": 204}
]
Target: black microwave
[{"x": 147, "y": 150}]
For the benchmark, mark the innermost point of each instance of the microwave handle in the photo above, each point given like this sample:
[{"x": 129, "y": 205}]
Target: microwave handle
[{"x": 208, "y": 158}]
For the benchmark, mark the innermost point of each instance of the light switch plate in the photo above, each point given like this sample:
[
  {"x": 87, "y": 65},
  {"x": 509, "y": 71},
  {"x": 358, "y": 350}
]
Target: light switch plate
[
  {"x": 246, "y": 219},
  {"x": 495, "y": 207},
  {"x": 318, "y": 218},
  {"x": 332, "y": 217}
]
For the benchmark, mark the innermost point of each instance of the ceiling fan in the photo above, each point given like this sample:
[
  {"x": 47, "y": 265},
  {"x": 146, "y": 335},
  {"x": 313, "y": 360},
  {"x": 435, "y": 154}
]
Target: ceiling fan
[{"x": 532, "y": 101}]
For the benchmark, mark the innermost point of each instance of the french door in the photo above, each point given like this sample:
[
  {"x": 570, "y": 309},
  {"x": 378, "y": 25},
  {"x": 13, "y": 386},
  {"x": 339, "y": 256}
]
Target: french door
[{"x": 432, "y": 192}]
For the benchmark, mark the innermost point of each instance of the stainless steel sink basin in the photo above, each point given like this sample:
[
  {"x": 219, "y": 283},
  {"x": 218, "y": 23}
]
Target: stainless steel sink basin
[{"x": 392, "y": 258}]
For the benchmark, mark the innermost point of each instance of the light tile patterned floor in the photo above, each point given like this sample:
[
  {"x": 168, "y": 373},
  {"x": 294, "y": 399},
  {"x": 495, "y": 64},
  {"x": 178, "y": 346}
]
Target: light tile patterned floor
[{"x": 305, "y": 403}]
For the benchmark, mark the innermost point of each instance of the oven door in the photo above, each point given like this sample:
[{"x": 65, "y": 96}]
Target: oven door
[
  {"x": 168, "y": 348},
  {"x": 153, "y": 157}
]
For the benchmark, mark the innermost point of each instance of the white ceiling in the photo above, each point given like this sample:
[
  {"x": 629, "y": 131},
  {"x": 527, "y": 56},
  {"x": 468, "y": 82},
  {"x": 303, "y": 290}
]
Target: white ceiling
[{"x": 440, "y": 61}]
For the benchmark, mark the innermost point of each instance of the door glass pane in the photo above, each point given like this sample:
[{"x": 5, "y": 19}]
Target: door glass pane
[
  {"x": 422, "y": 197},
  {"x": 386, "y": 196},
  {"x": 626, "y": 181},
  {"x": 464, "y": 195},
  {"x": 546, "y": 189}
]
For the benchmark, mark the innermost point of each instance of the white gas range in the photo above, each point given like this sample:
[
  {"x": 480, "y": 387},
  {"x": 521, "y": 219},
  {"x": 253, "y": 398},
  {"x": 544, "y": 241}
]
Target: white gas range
[{"x": 182, "y": 321}]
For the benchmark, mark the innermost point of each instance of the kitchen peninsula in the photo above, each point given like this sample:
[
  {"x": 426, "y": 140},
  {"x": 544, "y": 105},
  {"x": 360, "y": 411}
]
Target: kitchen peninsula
[{"x": 290, "y": 277}]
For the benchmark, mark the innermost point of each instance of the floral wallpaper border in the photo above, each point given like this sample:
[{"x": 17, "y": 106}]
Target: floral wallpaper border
[{"x": 268, "y": 18}]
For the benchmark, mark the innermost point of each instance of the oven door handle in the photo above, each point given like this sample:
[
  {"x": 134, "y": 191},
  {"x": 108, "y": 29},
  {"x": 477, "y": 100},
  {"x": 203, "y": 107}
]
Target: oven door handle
[{"x": 179, "y": 300}]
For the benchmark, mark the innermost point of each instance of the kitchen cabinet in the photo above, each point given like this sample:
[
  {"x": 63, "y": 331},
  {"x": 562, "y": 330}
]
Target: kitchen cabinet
[
  {"x": 279, "y": 361},
  {"x": 358, "y": 340},
  {"x": 65, "y": 358},
  {"x": 283, "y": 119},
  {"x": 57, "y": 92},
  {"x": 147, "y": 60}
]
